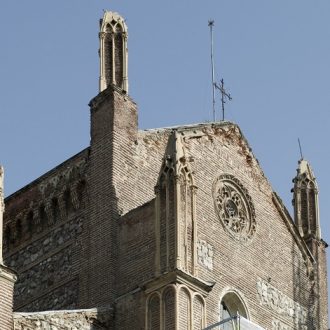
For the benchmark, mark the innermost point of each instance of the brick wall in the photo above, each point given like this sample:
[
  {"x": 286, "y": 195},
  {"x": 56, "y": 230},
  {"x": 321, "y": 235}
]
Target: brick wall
[
  {"x": 113, "y": 132},
  {"x": 104, "y": 251},
  {"x": 7, "y": 280},
  {"x": 274, "y": 255}
]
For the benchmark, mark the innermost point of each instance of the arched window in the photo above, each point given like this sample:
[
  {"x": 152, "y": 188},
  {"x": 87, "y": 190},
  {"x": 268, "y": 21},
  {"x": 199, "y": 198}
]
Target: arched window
[
  {"x": 231, "y": 305},
  {"x": 55, "y": 210},
  {"x": 68, "y": 202},
  {"x": 29, "y": 223},
  {"x": 226, "y": 314},
  {"x": 154, "y": 312}
]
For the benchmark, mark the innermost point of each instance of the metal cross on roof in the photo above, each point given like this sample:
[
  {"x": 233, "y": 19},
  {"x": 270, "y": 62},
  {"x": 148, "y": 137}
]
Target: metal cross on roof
[{"x": 224, "y": 96}]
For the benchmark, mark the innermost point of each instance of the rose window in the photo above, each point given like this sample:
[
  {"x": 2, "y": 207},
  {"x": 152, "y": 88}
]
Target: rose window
[{"x": 234, "y": 207}]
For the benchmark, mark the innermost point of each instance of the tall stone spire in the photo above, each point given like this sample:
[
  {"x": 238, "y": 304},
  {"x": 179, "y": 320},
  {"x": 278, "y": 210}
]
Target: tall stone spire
[
  {"x": 306, "y": 204},
  {"x": 113, "y": 51},
  {"x": 306, "y": 214}
]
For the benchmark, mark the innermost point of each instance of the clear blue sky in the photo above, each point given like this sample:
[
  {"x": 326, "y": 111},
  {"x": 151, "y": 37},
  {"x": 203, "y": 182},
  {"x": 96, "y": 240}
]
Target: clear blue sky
[{"x": 273, "y": 55}]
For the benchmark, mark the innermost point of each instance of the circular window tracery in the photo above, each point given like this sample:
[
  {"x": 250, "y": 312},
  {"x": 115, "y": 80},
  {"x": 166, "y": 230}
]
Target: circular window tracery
[{"x": 234, "y": 207}]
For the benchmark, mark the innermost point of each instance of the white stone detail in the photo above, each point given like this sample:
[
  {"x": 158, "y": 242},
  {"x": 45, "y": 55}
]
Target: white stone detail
[
  {"x": 278, "y": 325},
  {"x": 205, "y": 254},
  {"x": 82, "y": 319},
  {"x": 273, "y": 298}
]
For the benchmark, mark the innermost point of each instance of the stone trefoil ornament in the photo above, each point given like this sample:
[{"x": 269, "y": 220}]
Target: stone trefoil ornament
[{"x": 234, "y": 207}]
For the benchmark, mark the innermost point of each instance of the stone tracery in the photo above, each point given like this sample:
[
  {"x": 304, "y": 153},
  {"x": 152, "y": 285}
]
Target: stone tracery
[{"x": 234, "y": 207}]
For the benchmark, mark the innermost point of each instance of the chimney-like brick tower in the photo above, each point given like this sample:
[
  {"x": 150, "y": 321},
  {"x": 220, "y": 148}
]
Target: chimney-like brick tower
[
  {"x": 7, "y": 276},
  {"x": 113, "y": 138}
]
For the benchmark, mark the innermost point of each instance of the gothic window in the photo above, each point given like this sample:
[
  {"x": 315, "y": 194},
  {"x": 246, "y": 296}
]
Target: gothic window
[
  {"x": 68, "y": 202},
  {"x": 29, "y": 223},
  {"x": 113, "y": 52},
  {"x": 229, "y": 325},
  {"x": 55, "y": 210},
  {"x": 234, "y": 207},
  {"x": 108, "y": 28},
  {"x": 108, "y": 50},
  {"x": 43, "y": 216}
]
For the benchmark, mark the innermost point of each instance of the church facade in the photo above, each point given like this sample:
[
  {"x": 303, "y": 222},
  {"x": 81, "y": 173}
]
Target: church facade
[{"x": 171, "y": 228}]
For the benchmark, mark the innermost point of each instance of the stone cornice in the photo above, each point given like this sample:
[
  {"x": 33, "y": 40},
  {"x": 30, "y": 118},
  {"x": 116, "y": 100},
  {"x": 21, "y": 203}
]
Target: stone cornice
[
  {"x": 8, "y": 273},
  {"x": 179, "y": 277},
  {"x": 96, "y": 102},
  {"x": 56, "y": 169}
]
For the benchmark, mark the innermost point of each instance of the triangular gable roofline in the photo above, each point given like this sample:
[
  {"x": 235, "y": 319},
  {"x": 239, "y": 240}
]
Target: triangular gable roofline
[{"x": 201, "y": 129}]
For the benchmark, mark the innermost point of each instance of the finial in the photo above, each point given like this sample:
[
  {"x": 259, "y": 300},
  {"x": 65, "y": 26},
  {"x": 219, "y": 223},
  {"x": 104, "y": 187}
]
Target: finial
[
  {"x": 301, "y": 154},
  {"x": 113, "y": 52},
  {"x": 211, "y": 24},
  {"x": 224, "y": 95}
]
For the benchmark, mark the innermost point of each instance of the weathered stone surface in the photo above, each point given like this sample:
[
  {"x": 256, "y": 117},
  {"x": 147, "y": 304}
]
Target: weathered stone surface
[
  {"x": 40, "y": 248},
  {"x": 62, "y": 297},
  {"x": 43, "y": 275},
  {"x": 89, "y": 319}
]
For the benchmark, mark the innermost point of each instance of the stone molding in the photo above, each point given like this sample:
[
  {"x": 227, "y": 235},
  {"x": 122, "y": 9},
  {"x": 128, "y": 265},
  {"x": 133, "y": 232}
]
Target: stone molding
[
  {"x": 240, "y": 296},
  {"x": 104, "y": 95},
  {"x": 180, "y": 277},
  {"x": 159, "y": 296},
  {"x": 234, "y": 207},
  {"x": 8, "y": 274}
]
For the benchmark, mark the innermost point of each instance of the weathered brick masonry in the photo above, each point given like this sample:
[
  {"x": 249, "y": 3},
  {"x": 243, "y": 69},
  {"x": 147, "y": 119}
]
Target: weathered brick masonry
[
  {"x": 7, "y": 280},
  {"x": 172, "y": 228}
]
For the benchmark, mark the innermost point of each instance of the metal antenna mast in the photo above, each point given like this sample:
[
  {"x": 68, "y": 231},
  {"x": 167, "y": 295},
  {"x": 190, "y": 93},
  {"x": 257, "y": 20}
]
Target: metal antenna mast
[
  {"x": 211, "y": 24},
  {"x": 301, "y": 154}
]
